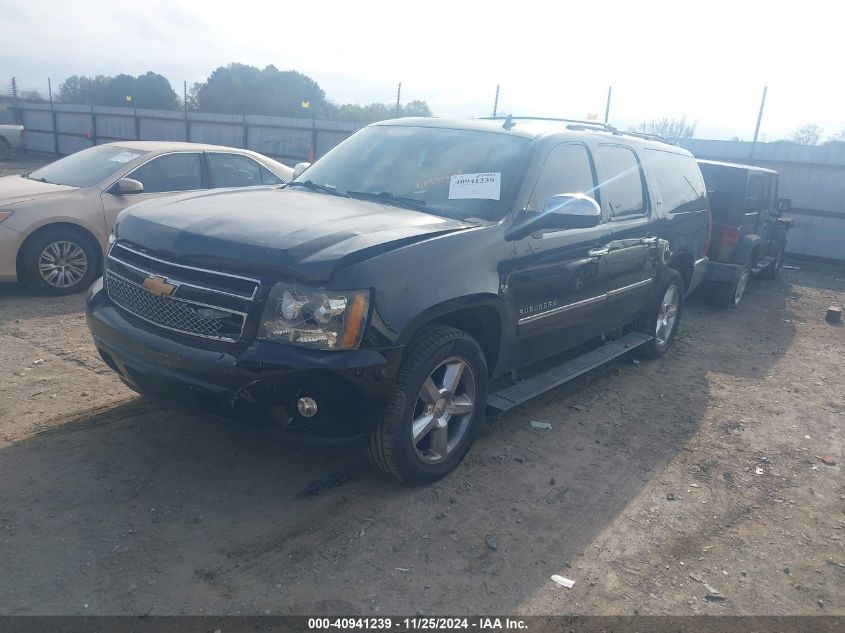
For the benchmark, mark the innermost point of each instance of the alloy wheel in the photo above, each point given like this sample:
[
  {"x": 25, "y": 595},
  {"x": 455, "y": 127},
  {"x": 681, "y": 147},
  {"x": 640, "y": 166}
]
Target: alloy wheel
[
  {"x": 443, "y": 411},
  {"x": 741, "y": 285},
  {"x": 62, "y": 264},
  {"x": 667, "y": 314}
]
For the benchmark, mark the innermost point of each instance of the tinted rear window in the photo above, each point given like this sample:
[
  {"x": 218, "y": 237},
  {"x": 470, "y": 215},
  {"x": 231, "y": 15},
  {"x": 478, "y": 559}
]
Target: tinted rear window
[
  {"x": 622, "y": 188},
  {"x": 681, "y": 186}
]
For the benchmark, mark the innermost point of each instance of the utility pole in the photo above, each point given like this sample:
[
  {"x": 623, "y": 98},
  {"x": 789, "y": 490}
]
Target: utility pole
[
  {"x": 496, "y": 102},
  {"x": 759, "y": 119},
  {"x": 53, "y": 117},
  {"x": 13, "y": 90},
  {"x": 398, "y": 97},
  {"x": 607, "y": 109},
  {"x": 185, "y": 109}
]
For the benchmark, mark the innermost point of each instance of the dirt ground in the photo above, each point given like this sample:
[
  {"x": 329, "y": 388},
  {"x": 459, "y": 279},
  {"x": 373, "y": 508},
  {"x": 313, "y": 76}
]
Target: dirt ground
[{"x": 658, "y": 485}]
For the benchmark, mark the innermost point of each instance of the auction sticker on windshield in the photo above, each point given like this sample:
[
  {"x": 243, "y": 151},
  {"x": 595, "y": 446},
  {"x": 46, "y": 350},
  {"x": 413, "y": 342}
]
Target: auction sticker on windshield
[
  {"x": 124, "y": 157},
  {"x": 475, "y": 186}
]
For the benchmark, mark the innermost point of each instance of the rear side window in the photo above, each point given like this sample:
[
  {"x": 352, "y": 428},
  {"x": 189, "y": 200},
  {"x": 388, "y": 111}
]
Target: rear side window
[
  {"x": 567, "y": 169},
  {"x": 171, "y": 172},
  {"x": 622, "y": 186},
  {"x": 233, "y": 170},
  {"x": 681, "y": 186}
]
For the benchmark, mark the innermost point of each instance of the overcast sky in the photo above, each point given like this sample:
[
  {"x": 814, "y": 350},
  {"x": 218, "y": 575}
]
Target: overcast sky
[{"x": 707, "y": 60}]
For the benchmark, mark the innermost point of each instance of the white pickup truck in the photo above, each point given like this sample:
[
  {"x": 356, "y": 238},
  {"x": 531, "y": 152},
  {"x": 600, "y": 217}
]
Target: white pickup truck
[{"x": 12, "y": 140}]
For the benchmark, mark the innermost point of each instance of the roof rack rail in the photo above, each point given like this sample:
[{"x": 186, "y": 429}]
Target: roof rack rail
[
  {"x": 600, "y": 127},
  {"x": 647, "y": 135},
  {"x": 578, "y": 125},
  {"x": 544, "y": 118}
]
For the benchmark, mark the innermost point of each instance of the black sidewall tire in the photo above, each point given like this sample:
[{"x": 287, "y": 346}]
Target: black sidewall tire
[
  {"x": 724, "y": 294},
  {"x": 390, "y": 446},
  {"x": 32, "y": 251},
  {"x": 5, "y": 150},
  {"x": 648, "y": 324},
  {"x": 772, "y": 270}
]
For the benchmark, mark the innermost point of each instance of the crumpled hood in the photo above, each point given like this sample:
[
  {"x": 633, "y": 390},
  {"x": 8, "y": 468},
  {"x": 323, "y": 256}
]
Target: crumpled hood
[
  {"x": 15, "y": 189},
  {"x": 285, "y": 232}
]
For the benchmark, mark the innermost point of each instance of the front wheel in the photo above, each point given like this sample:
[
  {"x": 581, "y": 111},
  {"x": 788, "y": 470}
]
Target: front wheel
[
  {"x": 60, "y": 261},
  {"x": 436, "y": 409},
  {"x": 663, "y": 316}
]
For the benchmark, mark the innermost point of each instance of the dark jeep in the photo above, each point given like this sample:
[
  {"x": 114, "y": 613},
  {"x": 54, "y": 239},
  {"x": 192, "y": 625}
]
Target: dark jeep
[
  {"x": 384, "y": 288},
  {"x": 749, "y": 236}
]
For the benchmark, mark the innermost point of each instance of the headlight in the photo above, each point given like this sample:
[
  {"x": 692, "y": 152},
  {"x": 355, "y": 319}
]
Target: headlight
[{"x": 308, "y": 317}]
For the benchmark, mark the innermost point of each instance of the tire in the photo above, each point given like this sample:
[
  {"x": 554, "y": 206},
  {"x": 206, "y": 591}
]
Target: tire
[
  {"x": 77, "y": 256},
  {"x": 435, "y": 452},
  {"x": 5, "y": 150},
  {"x": 659, "y": 313},
  {"x": 729, "y": 295},
  {"x": 771, "y": 271}
]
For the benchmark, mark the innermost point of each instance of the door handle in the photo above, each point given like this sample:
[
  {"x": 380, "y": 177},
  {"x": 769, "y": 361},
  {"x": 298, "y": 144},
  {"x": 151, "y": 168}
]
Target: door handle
[
  {"x": 598, "y": 252},
  {"x": 648, "y": 241}
]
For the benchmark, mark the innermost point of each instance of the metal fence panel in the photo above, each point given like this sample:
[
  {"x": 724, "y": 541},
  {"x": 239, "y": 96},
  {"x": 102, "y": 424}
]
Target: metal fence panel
[
  {"x": 114, "y": 127},
  {"x": 287, "y": 143},
  {"x": 217, "y": 134},
  {"x": 162, "y": 129}
]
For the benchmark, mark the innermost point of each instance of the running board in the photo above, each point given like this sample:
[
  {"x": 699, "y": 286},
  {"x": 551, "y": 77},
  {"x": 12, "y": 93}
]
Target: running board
[{"x": 524, "y": 390}]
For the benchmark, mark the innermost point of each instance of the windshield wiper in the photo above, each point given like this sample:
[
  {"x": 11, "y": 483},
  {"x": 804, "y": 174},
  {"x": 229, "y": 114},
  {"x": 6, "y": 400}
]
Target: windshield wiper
[
  {"x": 389, "y": 198},
  {"x": 313, "y": 186}
]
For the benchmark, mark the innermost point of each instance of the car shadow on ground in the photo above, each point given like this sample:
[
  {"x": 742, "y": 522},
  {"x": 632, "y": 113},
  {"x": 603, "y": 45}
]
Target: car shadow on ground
[
  {"x": 17, "y": 298},
  {"x": 146, "y": 510}
]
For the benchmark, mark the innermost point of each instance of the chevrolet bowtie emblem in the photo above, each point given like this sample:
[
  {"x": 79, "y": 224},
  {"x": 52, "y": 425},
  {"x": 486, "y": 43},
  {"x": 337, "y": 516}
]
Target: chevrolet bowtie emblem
[{"x": 159, "y": 286}]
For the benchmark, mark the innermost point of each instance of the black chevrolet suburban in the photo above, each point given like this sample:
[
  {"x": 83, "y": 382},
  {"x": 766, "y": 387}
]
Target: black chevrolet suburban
[{"x": 383, "y": 290}]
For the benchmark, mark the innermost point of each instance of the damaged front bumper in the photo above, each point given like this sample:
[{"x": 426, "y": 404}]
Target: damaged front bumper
[{"x": 257, "y": 379}]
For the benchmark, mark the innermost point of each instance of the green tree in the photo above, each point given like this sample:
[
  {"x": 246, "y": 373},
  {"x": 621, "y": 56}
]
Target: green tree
[
  {"x": 668, "y": 128},
  {"x": 238, "y": 88},
  {"x": 380, "y": 111},
  {"x": 31, "y": 95},
  {"x": 149, "y": 90},
  {"x": 807, "y": 134}
]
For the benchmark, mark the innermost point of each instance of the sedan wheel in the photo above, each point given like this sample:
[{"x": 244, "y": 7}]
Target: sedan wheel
[
  {"x": 59, "y": 261},
  {"x": 62, "y": 264}
]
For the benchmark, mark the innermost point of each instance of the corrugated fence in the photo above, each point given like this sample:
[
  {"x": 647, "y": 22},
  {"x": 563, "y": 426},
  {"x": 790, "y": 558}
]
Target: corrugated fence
[
  {"x": 812, "y": 176},
  {"x": 67, "y": 128}
]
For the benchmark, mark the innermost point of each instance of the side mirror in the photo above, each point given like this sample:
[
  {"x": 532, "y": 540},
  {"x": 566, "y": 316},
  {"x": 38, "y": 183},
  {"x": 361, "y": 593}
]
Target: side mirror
[
  {"x": 784, "y": 204},
  {"x": 562, "y": 211},
  {"x": 300, "y": 167},
  {"x": 128, "y": 186}
]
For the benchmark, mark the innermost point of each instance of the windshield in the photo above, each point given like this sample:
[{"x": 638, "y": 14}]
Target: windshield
[
  {"x": 87, "y": 167},
  {"x": 454, "y": 173}
]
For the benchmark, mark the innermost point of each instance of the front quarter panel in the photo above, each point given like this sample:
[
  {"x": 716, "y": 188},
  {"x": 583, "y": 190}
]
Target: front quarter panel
[
  {"x": 81, "y": 207},
  {"x": 415, "y": 284}
]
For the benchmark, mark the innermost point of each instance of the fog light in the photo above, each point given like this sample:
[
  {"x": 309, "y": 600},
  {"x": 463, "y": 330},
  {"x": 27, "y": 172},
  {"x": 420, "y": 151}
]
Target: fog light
[{"x": 307, "y": 407}]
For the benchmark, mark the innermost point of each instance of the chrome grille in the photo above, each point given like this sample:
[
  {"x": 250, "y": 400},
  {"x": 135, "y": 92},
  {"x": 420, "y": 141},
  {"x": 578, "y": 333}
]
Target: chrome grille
[
  {"x": 174, "y": 314},
  {"x": 207, "y": 303}
]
